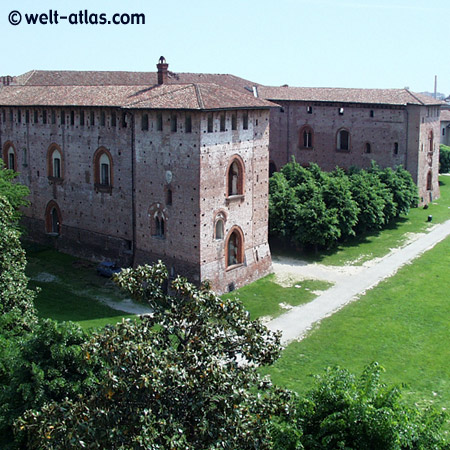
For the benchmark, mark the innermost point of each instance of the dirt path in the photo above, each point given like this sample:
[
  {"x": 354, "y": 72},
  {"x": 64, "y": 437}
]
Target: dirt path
[{"x": 350, "y": 282}]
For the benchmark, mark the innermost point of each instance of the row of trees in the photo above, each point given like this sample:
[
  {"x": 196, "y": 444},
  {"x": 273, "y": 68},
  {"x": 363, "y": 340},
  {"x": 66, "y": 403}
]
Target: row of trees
[
  {"x": 185, "y": 377},
  {"x": 310, "y": 207},
  {"x": 444, "y": 159}
]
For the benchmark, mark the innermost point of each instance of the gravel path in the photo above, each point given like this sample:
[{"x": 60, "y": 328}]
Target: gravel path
[{"x": 350, "y": 282}]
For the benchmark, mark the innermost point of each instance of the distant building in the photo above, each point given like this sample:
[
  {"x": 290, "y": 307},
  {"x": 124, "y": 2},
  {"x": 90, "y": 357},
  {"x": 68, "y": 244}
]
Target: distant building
[
  {"x": 445, "y": 127},
  {"x": 351, "y": 127}
]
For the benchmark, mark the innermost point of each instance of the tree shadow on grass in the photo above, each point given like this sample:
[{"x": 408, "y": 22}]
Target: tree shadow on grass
[{"x": 284, "y": 248}]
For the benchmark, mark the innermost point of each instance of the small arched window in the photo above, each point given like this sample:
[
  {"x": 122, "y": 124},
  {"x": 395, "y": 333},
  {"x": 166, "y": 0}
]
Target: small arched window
[
  {"x": 54, "y": 161},
  {"x": 234, "y": 248},
  {"x": 159, "y": 225},
  {"x": 306, "y": 137},
  {"x": 11, "y": 159},
  {"x": 343, "y": 140},
  {"x": 236, "y": 178},
  {"x": 9, "y": 156},
  {"x": 368, "y": 148},
  {"x": 219, "y": 229},
  {"x": 103, "y": 172},
  {"x": 53, "y": 219}
]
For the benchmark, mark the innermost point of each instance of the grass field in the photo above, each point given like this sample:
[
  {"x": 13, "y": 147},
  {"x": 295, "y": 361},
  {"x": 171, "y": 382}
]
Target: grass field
[
  {"x": 263, "y": 297},
  {"x": 71, "y": 289},
  {"x": 377, "y": 244},
  {"x": 403, "y": 324}
]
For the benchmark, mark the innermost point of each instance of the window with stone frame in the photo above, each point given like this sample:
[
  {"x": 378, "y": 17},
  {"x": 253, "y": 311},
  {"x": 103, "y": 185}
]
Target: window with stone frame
[
  {"x": 306, "y": 137},
  {"x": 54, "y": 162},
  {"x": 9, "y": 156},
  {"x": 234, "y": 248},
  {"x": 235, "y": 178},
  {"x": 53, "y": 220},
  {"x": 103, "y": 170},
  {"x": 343, "y": 140}
]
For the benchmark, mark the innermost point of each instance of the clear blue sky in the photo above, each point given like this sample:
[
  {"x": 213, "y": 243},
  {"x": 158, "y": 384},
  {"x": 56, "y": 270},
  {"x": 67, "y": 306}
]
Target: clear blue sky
[{"x": 337, "y": 43}]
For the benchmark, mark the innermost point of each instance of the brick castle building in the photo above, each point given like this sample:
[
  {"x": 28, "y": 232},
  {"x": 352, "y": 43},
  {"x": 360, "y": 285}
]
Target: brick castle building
[{"x": 136, "y": 167}]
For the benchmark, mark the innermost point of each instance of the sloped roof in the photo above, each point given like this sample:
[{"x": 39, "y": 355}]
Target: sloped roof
[
  {"x": 198, "y": 96},
  {"x": 346, "y": 95},
  {"x": 120, "y": 78}
]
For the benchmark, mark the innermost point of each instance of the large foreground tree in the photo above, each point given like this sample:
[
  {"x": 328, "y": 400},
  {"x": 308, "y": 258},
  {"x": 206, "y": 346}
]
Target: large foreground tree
[{"x": 183, "y": 378}]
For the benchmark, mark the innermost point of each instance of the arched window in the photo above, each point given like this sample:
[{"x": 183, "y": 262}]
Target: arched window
[
  {"x": 219, "y": 229},
  {"x": 105, "y": 170},
  {"x": 234, "y": 248},
  {"x": 103, "y": 173},
  {"x": 343, "y": 140},
  {"x": 306, "y": 137},
  {"x": 9, "y": 156},
  {"x": 159, "y": 225},
  {"x": 53, "y": 219},
  {"x": 235, "y": 177},
  {"x": 368, "y": 148},
  {"x": 429, "y": 181},
  {"x": 54, "y": 161}
]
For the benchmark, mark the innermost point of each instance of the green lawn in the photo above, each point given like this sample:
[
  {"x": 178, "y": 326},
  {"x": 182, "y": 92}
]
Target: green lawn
[
  {"x": 377, "y": 244},
  {"x": 403, "y": 324},
  {"x": 263, "y": 297},
  {"x": 71, "y": 289}
]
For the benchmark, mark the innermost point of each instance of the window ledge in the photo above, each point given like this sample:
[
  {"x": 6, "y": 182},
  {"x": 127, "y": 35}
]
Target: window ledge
[
  {"x": 234, "y": 266},
  {"x": 235, "y": 198},
  {"x": 103, "y": 188},
  {"x": 55, "y": 180}
]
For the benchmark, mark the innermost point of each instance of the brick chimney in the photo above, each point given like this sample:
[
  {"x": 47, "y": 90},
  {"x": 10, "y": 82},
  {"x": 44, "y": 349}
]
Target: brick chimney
[
  {"x": 162, "y": 67},
  {"x": 7, "y": 80}
]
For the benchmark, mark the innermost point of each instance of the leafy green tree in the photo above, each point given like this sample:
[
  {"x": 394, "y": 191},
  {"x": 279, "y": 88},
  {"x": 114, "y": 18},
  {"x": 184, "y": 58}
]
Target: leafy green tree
[
  {"x": 17, "y": 311},
  {"x": 44, "y": 365},
  {"x": 444, "y": 159},
  {"x": 15, "y": 193},
  {"x": 184, "y": 377},
  {"x": 346, "y": 412}
]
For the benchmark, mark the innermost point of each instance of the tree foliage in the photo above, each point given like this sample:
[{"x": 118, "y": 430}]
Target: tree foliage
[
  {"x": 310, "y": 207},
  {"x": 343, "y": 411},
  {"x": 444, "y": 159},
  {"x": 183, "y": 377}
]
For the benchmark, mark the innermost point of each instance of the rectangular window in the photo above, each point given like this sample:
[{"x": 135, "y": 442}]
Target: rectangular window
[
  {"x": 222, "y": 122},
  {"x": 443, "y": 131},
  {"x": 210, "y": 123},
  {"x": 92, "y": 118},
  {"x": 27, "y": 116},
  {"x": 81, "y": 118},
  {"x": 234, "y": 121},
  {"x": 173, "y": 123},
  {"x": 144, "y": 122},
  {"x": 309, "y": 109},
  {"x": 245, "y": 121},
  {"x": 341, "y": 111},
  {"x": 11, "y": 115},
  {"x": 395, "y": 148},
  {"x": 63, "y": 117},
  {"x": 188, "y": 124},
  {"x": 44, "y": 117},
  {"x": 104, "y": 175},
  {"x": 72, "y": 117},
  {"x": 371, "y": 113},
  {"x": 19, "y": 115},
  {"x": 113, "y": 119},
  {"x": 53, "y": 117},
  {"x": 124, "y": 120},
  {"x": 159, "y": 122},
  {"x": 102, "y": 118},
  {"x": 36, "y": 116}
]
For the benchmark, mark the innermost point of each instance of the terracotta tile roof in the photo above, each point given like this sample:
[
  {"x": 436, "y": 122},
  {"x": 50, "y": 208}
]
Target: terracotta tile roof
[
  {"x": 110, "y": 78},
  {"x": 345, "y": 95},
  {"x": 201, "y": 96},
  {"x": 445, "y": 115}
]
